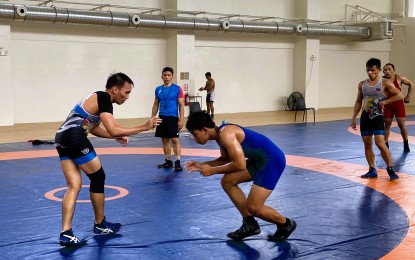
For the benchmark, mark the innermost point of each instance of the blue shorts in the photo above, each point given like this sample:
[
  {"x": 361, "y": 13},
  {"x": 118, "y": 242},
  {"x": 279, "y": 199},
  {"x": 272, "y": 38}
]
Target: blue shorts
[
  {"x": 73, "y": 144},
  {"x": 370, "y": 127},
  {"x": 267, "y": 170}
]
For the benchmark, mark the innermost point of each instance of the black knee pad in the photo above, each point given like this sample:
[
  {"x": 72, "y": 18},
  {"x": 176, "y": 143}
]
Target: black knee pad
[{"x": 97, "y": 181}]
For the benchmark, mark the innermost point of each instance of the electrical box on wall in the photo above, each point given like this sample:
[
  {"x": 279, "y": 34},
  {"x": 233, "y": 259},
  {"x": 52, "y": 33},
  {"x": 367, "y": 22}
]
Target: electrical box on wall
[
  {"x": 184, "y": 75},
  {"x": 381, "y": 30}
]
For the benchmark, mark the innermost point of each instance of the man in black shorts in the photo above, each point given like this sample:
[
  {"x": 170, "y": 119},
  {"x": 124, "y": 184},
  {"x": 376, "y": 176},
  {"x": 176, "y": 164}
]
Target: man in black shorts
[
  {"x": 77, "y": 153},
  {"x": 169, "y": 102},
  {"x": 371, "y": 99}
]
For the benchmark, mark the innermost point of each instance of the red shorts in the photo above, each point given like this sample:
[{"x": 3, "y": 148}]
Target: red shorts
[{"x": 396, "y": 108}]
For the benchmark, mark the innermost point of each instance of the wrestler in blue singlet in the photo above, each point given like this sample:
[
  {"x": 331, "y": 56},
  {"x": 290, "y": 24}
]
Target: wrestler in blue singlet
[{"x": 265, "y": 161}]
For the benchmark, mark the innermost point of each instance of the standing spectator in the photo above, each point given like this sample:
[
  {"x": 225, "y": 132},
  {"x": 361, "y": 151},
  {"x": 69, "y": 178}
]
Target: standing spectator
[
  {"x": 169, "y": 102},
  {"x": 371, "y": 99},
  {"x": 210, "y": 97},
  {"x": 397, "y": 108}
]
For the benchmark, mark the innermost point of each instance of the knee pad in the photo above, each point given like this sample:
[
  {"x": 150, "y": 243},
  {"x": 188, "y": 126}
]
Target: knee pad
[{"x": 97, "y": 181}]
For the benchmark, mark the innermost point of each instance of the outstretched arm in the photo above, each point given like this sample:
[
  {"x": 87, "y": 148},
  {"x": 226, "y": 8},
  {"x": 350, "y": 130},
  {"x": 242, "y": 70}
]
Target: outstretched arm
[
  {"x": 194, "y": 166},
  {"x": 113, "y": 129},
  {"x": 234, "y": 155}
]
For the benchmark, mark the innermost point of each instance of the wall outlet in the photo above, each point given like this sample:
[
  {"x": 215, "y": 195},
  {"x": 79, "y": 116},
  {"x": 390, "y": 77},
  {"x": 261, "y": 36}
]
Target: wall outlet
[
  {"x": 313, "y": 58},
  {"x": 3, "y": 52}
]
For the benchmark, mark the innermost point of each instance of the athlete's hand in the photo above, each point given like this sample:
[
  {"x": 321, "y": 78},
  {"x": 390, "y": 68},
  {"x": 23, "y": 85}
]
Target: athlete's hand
[
  {"x": 353, "y": 124},
  {"x": 204, "y": 169},
  {"x": 192, "y": 166},
  {"x": 180, "y": 124},
  {"x": 152, "y": 123},
  {"x": 407, "y": 99},
  {"x": 122, "y": 140},
  {"x": 381, "y": 105}
]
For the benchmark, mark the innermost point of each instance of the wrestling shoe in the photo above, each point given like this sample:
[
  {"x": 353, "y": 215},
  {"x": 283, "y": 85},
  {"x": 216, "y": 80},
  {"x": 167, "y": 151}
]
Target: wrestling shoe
[
  {"x": 283, "y": 231},
  {"x": 167, "y": 164},
  {"x": 372, "y": 173},
  {"x": 406, "y": 146},
  {"x": 106, "y": 227},
  {"x": 67, "y": 238},
  {"x": 392, "y": 174},
  {"x": 248, "y": 228},
  {"x": 177, "y": 166}
]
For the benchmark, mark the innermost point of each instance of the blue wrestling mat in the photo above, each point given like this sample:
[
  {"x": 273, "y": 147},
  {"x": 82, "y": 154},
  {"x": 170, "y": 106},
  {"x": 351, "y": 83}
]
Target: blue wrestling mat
[{"x": 169, "y": 215}]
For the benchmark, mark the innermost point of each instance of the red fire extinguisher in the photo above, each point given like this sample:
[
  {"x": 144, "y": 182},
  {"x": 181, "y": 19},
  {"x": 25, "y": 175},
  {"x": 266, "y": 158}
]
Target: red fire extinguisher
[{"x": 186, "y": 99}]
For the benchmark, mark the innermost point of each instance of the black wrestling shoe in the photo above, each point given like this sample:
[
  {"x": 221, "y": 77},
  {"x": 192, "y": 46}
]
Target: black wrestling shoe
[
  {"x": 283, "y": 231},
  {"x": 406, "y": 146},
  {"x": 177, "y": 166},
  {"x": 248, "y": 228},
  {"x": 167, "y": 164}
]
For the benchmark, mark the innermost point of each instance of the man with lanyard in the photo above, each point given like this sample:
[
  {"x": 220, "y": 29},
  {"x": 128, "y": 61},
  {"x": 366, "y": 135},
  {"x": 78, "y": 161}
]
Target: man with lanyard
[{"x": 169, "y": 102}]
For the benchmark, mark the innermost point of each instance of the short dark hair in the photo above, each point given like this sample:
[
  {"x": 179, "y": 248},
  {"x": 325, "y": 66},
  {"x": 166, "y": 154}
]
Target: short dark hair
[
  {"x": 208, "y": 74},
  {"x": 168, "y": 69},
  {"x": 390, "y": 64},
  {"x": 199, "y": 120},
  {"x": 373, "y": 62},
  {"x": 118, "y": 80}
]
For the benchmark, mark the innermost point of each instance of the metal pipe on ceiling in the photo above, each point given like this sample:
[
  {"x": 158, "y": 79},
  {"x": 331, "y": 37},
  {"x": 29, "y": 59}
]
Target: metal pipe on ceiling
[{"x": 26, "y": 13}]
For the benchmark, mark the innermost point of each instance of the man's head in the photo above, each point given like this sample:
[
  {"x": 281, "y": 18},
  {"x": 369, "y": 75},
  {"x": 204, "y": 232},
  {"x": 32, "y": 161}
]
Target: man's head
[
  {"x": 167, "y": 75},
  {"x": 373, "y": 67},
  {"x": 198, "y": 125},
  {"x": 208, "y": 75},
  {"x": 119, "y": 86},
  {"x": 389, "y": 70}
]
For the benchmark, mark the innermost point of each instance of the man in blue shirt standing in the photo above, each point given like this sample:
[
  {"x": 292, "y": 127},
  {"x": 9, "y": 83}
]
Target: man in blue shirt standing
[{"x": 169, "y": 102}]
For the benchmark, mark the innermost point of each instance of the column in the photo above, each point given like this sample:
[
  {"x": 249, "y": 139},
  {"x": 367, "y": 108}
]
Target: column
[
  {"x": 6, "y": 87},
  {"x": 306, "y": 56}
]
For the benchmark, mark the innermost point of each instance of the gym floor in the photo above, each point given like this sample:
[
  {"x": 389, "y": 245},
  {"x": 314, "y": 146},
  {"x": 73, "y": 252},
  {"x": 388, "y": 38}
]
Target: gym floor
[{"x": 169, "y": 215}]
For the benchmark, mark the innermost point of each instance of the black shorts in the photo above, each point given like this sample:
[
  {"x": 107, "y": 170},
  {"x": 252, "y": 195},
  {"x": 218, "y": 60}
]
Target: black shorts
[
  {"x": 168, "y": 127},
  {"x": 73, "y": 144},
  {"x": 369, "y": 127}
]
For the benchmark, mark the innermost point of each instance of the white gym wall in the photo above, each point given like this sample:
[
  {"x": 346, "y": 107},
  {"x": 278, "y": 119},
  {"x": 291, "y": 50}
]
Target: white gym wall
[{"x": 50, "y": 67}]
